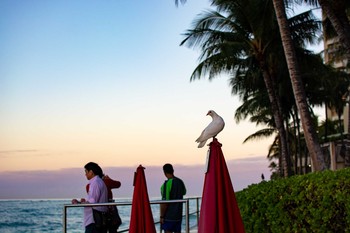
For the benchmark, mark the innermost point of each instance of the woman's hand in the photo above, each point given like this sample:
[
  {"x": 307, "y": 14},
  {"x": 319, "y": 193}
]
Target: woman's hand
[{"x": 75, "y": 201}]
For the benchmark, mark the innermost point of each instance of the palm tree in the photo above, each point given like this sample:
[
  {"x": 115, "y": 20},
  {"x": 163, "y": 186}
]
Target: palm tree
[
  {"x": 256, "y": 105},
  {"x": 227, "y": 40},
  {"x": 245, "y": 42},
  {"x": 298, "y": 88}
]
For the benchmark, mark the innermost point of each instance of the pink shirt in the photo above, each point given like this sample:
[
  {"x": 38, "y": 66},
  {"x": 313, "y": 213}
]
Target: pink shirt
[{"x": 97, "y": 194}]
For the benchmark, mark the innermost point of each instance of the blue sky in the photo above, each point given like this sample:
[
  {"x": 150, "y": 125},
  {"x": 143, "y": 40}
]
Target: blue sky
[{"x": 107, "y": 81}]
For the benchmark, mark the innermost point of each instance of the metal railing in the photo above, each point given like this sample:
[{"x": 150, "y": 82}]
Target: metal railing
[{"x": 186, "y": 201}]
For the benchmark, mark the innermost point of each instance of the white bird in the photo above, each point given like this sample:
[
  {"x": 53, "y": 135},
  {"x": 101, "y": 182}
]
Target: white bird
[{"x": 212, "y": 129}]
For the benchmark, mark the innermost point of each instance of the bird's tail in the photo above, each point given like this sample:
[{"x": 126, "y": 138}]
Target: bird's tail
[{"x": 200, "y": 145}]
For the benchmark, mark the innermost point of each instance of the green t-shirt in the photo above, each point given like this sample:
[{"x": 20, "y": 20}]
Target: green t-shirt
[{"x": 173, "y": 189}]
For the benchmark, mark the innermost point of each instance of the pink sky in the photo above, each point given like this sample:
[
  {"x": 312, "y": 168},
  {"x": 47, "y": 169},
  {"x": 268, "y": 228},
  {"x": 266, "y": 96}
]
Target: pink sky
[{"x": 70, "y": 183}]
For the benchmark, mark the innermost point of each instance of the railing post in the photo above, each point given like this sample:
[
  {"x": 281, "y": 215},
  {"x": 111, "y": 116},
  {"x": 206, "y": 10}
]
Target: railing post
[
  {"x": 160, "y": 224},
  {"x": 64, "y": 219},
  {"x": 197, "y": 202},
  {"x": 187, "y": 215}
]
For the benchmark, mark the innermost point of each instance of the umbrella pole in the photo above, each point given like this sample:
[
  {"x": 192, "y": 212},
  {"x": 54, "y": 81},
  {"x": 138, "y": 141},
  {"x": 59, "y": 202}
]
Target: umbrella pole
[{"x": 187, "y": 216}]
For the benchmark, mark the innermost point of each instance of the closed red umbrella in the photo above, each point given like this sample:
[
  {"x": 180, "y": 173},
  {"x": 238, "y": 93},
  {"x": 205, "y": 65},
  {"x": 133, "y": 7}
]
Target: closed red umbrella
[
  {"x": 219, "y": 210},
  {"x": 141, "y": 219}
]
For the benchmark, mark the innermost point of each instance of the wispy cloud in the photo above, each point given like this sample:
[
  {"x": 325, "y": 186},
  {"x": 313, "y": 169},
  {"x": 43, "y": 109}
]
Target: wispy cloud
[
  {"x": 29, "y": 152},
  {"x": 7, "y": 153},
  {"x": 16, "y": 151}
]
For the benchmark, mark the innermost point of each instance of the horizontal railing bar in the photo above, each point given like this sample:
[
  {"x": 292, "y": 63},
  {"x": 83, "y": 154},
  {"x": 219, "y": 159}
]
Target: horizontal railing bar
[
  {"x": 153, "y": 202},
  {"x": 123, "y": 203}
]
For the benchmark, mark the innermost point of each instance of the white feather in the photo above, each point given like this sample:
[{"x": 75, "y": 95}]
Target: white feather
[{"x": 215, "y": 127}]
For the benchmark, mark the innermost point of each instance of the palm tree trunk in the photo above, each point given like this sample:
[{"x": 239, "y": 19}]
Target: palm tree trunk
[
  {"x": 295, "y": 145},
  {"x": 289, "y": 157},
  {"x": 299, "y": 141},
  {"x": 284, "y": 153},
  {"x": 306, "y": 165},
  {"x": 298, "y": 88},
  {"x": 326, "y": 125}
]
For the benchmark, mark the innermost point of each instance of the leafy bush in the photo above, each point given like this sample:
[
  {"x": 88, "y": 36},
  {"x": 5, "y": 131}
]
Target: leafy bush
[{"x": 316, "y": 202}]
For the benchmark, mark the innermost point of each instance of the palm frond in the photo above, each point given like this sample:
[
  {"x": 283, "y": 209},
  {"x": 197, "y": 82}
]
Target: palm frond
[{"x": 261, "y": 134}]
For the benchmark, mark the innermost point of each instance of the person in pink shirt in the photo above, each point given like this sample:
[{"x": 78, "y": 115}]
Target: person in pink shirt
[
  {"x": 114, "y": 220},
  {"x": 97, "y": 193}
]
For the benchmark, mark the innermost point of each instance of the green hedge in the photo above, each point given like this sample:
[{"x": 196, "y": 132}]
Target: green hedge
[{"x": 316, "y": 202}]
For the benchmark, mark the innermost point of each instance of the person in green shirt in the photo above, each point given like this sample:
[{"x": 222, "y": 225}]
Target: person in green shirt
[{"x": 172, "y": 189}]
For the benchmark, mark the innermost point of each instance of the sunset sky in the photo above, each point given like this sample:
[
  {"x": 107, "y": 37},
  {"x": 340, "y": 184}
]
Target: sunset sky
[{"x": 107, "y": 81}]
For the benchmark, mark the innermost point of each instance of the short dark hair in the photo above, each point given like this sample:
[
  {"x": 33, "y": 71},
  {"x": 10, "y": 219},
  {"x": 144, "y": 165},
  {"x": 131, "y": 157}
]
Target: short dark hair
[
  {"x": 168, "y": 168},
  {"x": 97, "y": 170}
]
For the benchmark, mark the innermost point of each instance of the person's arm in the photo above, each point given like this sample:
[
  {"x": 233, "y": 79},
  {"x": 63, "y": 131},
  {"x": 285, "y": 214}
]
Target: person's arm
[
  {"x": 93, "y": 194},
  {"x": 163, "y": 208},
  {"x": 75, "y": 201},
  {"x": 185, "y": 191}
]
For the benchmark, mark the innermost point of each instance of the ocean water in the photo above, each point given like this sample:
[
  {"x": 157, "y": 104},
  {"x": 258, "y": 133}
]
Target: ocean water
[{"x": 47, "y": 216}]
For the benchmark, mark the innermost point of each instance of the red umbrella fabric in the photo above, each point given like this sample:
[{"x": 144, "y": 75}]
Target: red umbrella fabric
[
  {"x": 219, "y": 210},
  {"x": 141, "y": 219}
]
